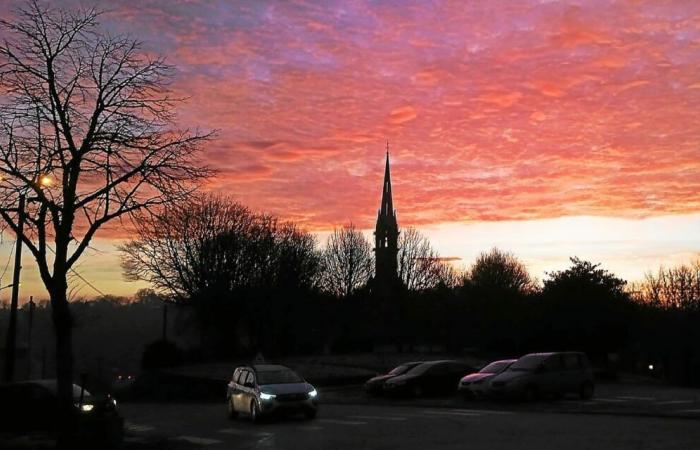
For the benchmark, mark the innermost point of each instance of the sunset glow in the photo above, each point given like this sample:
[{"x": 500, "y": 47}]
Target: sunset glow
[{"x": 549, "y": 129}]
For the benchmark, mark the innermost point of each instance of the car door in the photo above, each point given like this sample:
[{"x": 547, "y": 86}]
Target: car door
[
  {"x": 248, "y": 391},
  {"x": 238, "y": 392},
  {"x": 571, "y": 373},
  {"x": 550, "y": 379}
]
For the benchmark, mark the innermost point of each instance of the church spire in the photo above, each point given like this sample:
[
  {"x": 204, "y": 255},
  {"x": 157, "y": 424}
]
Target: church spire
[
  {"x": 387, "y": 206},
  {"x": 386, "y": 237}
]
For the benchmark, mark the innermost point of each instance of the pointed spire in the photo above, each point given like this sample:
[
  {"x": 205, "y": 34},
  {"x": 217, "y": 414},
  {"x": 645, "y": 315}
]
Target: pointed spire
[{"x": 387, "y": 207}]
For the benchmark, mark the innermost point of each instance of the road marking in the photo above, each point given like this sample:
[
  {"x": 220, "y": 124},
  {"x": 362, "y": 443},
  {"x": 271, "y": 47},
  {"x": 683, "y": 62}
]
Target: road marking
[
  {"x": 198, "y": 440},
  {"x": 636, "y": 398},
  {"x": 675, "y": 402},
  {"x": 452, "y": 413},
  {"x": 241, "y": 432},
  {"x": 484, "y": 411},
  {"x": 690, "y": 410},
  {"x": 137, "y": 428},
  {"x": 342, "y": 422},
  {"x": 610, "y": 400},
  {"x": 378, "y": 418}
]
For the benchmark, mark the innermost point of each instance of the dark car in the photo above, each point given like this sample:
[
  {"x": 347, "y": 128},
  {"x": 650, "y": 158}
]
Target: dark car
[
  {"x": 264, "y": 389},
  {"x": 431, "y": 377},
  {"x": 32, "y": 407},
  {"x": 545, "y": 374},
  {"x": 375, "y": 385}
]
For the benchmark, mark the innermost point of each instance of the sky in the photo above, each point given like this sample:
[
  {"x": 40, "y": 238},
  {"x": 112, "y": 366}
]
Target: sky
[{"x": 548, "y": 129}]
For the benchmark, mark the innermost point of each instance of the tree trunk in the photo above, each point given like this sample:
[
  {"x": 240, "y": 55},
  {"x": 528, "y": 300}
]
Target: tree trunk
[{"x": 63, "y": 328}]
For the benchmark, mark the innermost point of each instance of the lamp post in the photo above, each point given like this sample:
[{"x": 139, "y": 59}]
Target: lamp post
[{"x": 11, "y": 338}]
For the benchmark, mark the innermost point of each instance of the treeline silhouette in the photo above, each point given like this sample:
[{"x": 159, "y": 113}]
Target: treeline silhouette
[
  {"x": 236, "y": 283},
  {"x": 259, "y": 284}
]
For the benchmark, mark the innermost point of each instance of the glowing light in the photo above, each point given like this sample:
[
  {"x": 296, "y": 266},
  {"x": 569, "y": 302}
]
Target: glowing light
[
  {"x": 266, "y": 396},
  {"x": 651, "y": 367},
  {"x": 86, "y": 408},
  {"x": 313, "y": 393},
  {"x": 45, "y": 181}
]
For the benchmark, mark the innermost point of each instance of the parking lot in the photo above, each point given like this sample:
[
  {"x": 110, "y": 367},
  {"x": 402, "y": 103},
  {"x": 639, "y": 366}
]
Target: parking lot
[{"x": 620, "y": 416}]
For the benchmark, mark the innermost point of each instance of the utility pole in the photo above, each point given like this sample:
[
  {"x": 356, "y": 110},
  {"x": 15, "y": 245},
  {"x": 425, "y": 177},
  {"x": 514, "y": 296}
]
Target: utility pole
[
  {"x": 29, "y": 337},
  {"x": 11, "y": 339},
  {"x": 165, "y": 321}
]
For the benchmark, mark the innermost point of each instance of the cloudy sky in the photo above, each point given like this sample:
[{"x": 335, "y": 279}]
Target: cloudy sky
[{"x": 550, "y": 129}]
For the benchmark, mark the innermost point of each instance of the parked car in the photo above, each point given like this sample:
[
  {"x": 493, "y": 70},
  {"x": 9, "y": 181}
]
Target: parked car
[
  {"x": 29, "y": 407},
  {"x": 476, "y": 385},
  {"x": 545, "y": 374},
  {"x": 432, "y": 377},
  {"x": 264, "y": 389},
  {"x": 375, "y": 385}
]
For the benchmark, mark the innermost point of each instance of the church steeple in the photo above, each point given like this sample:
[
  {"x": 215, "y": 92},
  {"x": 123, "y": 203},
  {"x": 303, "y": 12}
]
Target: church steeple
[
  {"x": 387, "y": 206},
  {"x": 386, "y": 235}
]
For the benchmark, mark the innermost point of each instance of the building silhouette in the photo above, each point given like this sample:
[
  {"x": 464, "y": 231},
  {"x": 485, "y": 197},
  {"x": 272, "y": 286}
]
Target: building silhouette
[{"x": 386, "y": 237}]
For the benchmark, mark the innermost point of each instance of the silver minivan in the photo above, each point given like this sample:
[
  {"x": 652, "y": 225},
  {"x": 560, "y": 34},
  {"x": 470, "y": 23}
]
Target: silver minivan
[
  {"x": 545, "y": 374},
  {"x": 264, "y": 389}
]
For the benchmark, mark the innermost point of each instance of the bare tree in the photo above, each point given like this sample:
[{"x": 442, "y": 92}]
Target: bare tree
[
  {"x": 347, "y": 261},
  {"x": 86, "y": 133},
  {"x": 498, "y": 270},
  {"x": 213, "y": 244},
  {"x": 671, "y": 288},
  {"x": 420, "y": 266}
]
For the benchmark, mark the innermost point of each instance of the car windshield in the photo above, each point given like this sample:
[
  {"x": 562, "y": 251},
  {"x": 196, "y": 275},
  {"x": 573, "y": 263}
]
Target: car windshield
[
  {"x": 278, "y": 377},
  {"x": 403, "y": 368},
  {"x": 496, "y": 367},
  {"x": 420, "y": 369},
  {"x": 528, "y": 363}
]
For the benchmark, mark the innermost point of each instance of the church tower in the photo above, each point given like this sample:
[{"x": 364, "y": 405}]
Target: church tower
[{"x": 386, "y": 236}]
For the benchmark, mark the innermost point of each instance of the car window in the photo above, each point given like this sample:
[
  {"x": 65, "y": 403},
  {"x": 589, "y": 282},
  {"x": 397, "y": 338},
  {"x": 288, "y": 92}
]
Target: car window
[
  {"x": 553, "y": 363},
  {"x": 278, "y": 377},
  {"x": 571, "y": 361},
  {"x": 234, "y": 377},
  {"x": 250, "y": 379},
  {"x": 441, "y": 369},
  {"x": 241, "y": 376}
]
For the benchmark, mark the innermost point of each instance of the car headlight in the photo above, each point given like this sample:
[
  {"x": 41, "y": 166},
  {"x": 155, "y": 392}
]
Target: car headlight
[
  {"x": 313, "y": 393},
  {"x": 266, "y": 396},
  {"x": 86, "y": 407}
]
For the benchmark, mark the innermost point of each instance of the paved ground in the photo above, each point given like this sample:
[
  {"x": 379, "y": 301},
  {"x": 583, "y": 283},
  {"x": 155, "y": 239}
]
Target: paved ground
[
  {"x": 610, "y": 398},
  {"x": 621, "y": 416},
  {"x": 406, "y": 427}
]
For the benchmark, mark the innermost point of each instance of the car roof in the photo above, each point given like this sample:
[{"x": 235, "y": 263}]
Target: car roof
[{"x": 269, "y": 367}]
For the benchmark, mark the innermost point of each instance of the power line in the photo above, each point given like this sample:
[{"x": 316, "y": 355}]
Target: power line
[
  {"x": 9, "y": 257},
  {"x": 75, "y": 272}
]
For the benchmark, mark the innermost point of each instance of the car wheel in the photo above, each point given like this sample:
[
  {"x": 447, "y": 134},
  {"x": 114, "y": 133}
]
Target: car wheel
[
  {"x": 254, "y": 412},
  {"x": 530, "y": 394},
  {"x": 586, "y": 391},
  {"x": 232, "y": 413},
  {"x": 417, "y": 390}
]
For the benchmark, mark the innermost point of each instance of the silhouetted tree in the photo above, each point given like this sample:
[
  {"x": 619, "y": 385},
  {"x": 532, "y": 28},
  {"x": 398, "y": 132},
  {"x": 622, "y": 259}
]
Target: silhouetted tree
[
  {"x": 420, "y": 266},
  {"x": 347, "y": 262},
  {"x": 214, "y": 245},
  {"x": 671, "y": 288},
  {"x": 586, "y": 307},
  {"x": 500, "y": 272},
  {"x": 86, "y": 133}
]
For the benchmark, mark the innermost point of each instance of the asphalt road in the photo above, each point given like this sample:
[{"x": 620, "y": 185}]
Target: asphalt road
[{"x": 406, "y": 427}]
